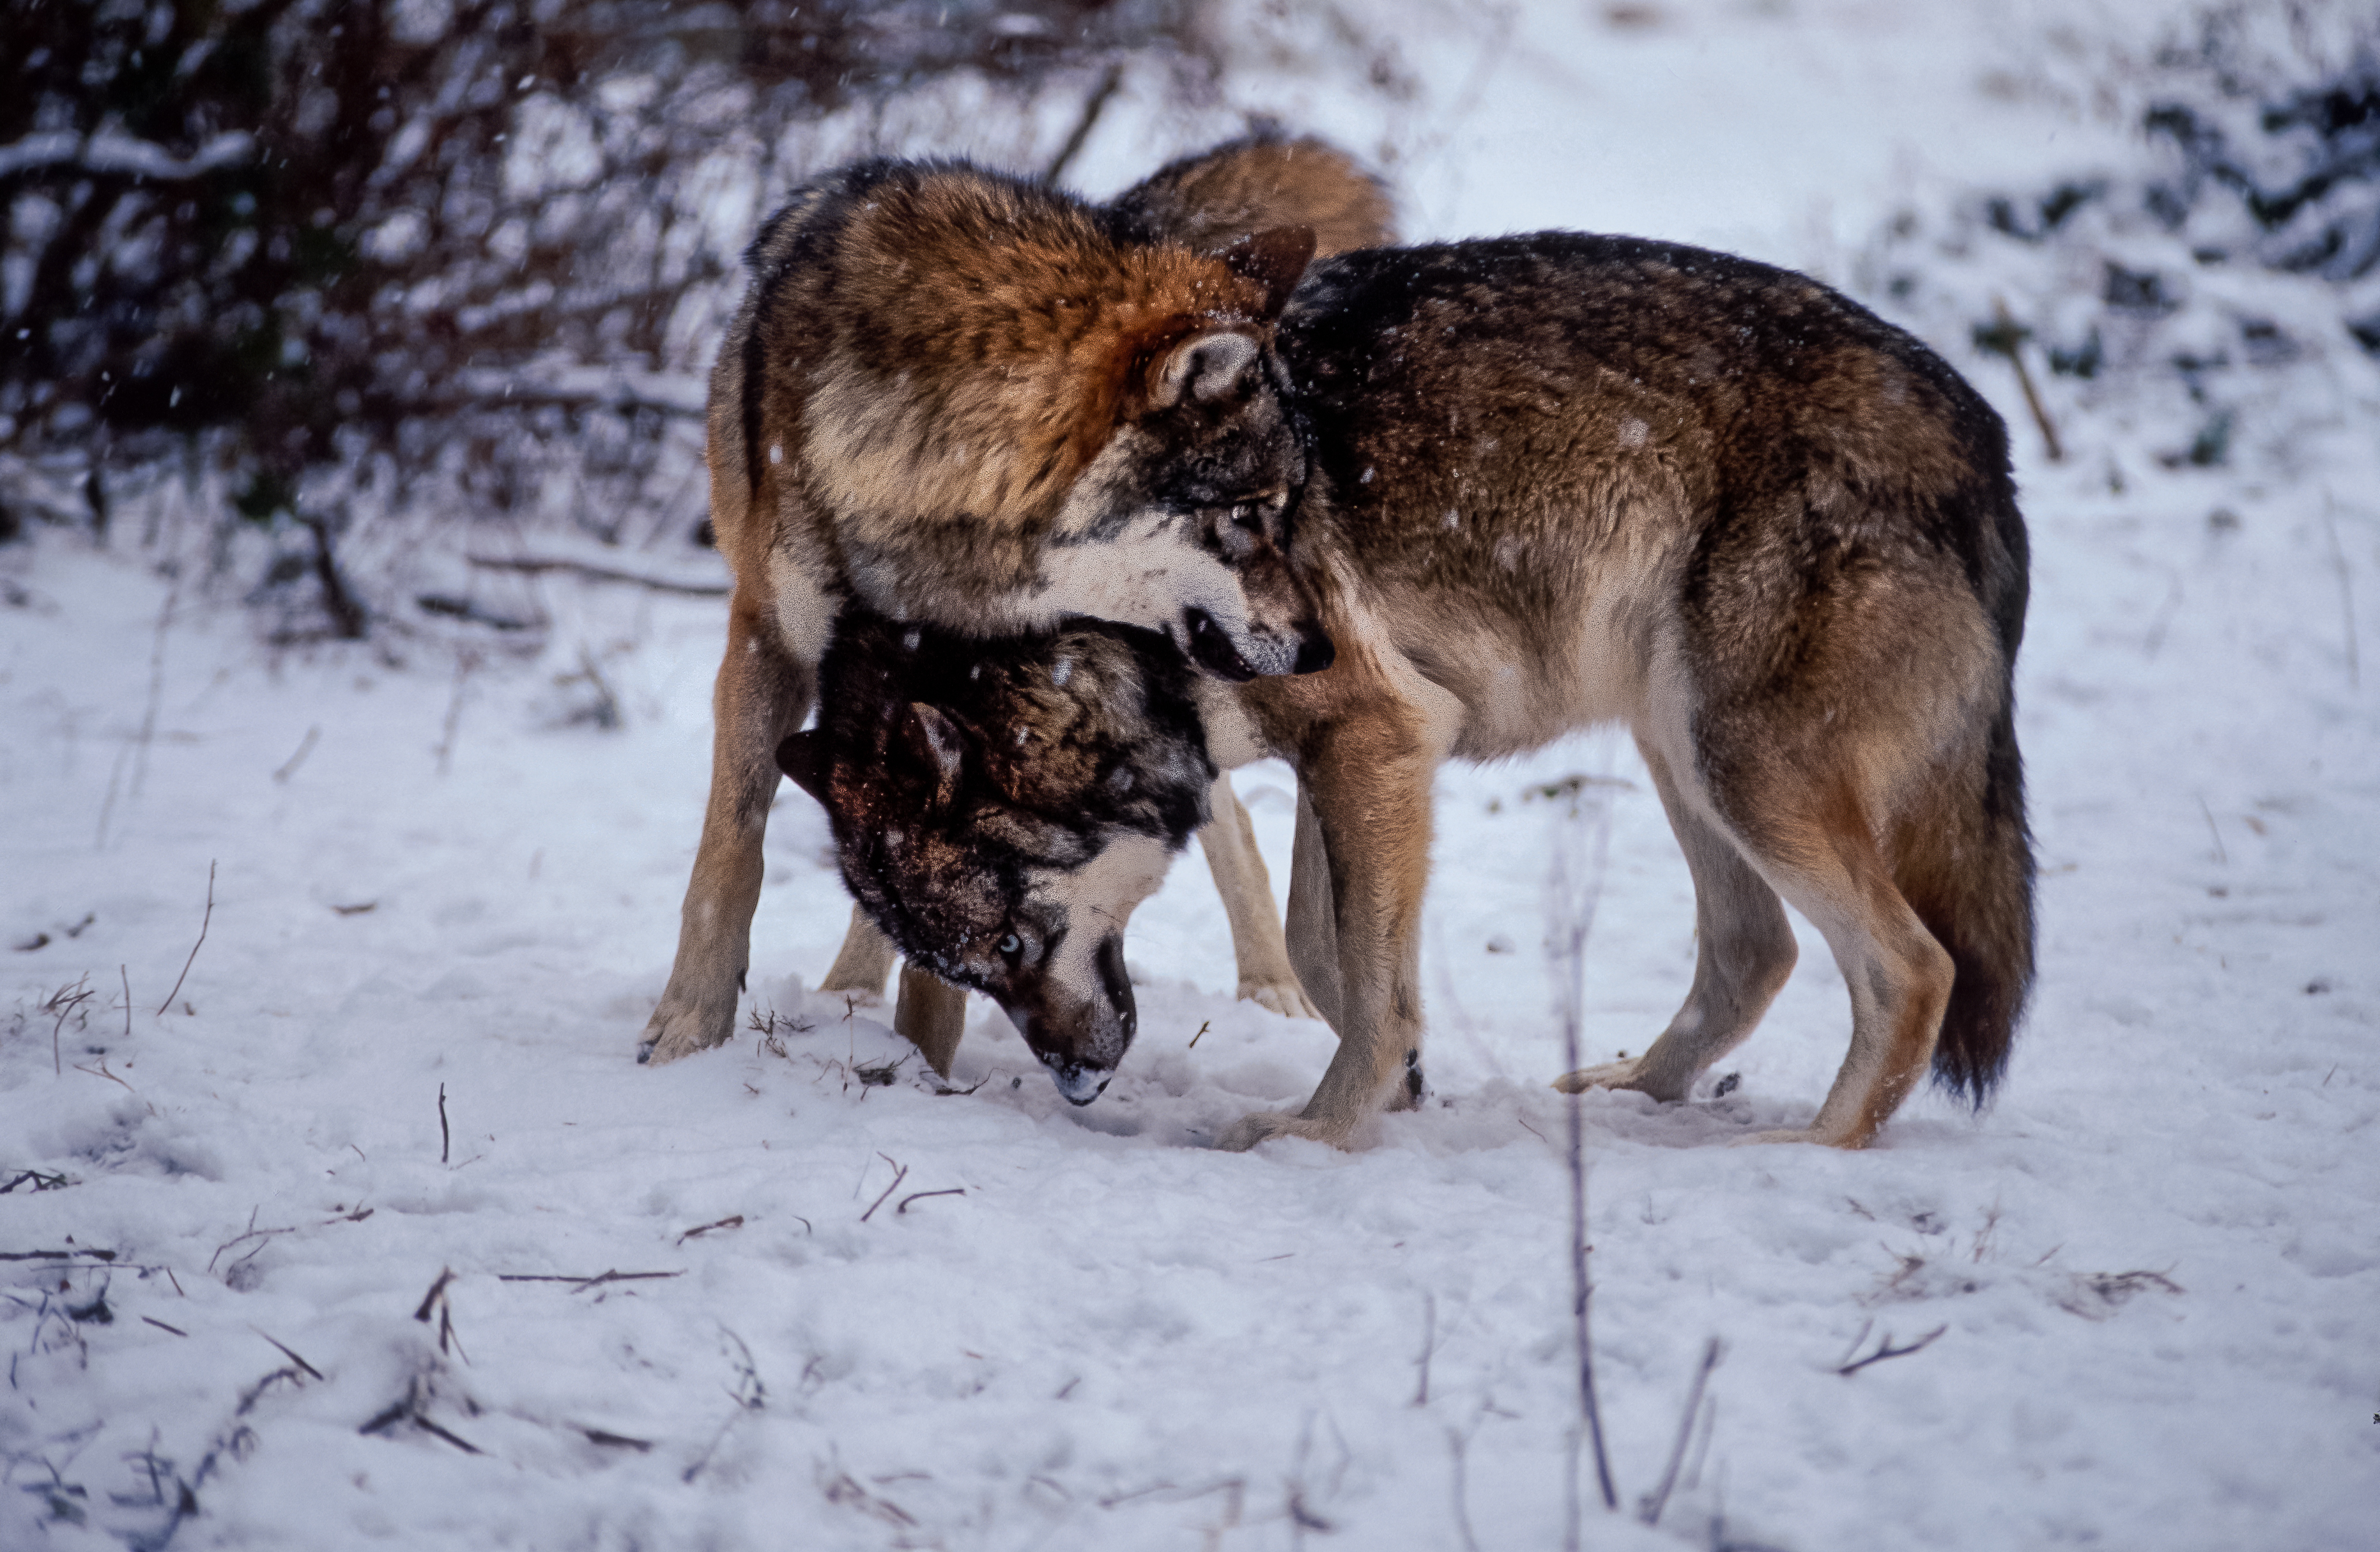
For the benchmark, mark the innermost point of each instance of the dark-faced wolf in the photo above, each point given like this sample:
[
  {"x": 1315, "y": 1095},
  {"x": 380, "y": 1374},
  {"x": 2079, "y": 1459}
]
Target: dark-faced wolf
[
  {"x": 1554, "y": 480},
  {"x": 975, "y": 401}
]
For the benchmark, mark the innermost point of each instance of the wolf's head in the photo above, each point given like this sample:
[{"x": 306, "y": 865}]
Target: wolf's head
[
  {"x": 1001, "y": 807},
  {"x": 1039, "y": 414}
]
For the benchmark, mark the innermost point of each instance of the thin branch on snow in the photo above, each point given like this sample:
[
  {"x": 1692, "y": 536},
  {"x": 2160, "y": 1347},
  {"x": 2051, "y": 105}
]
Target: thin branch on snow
[
  {"x": 901, "y": 1172},
  {"x": 1884, "y": 1350},
  {"x": 1580, "y": 843},
  {"x": 2346, "y": 590},
  {"x": 204, "y": 922},
  {"x": 533, "y": 565},
  {"x": 1648, "y": 1509}
]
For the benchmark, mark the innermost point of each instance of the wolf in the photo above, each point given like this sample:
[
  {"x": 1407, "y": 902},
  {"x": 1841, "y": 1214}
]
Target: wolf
[
  {"x": 1554, "y": 480},
  {"x": 973, "y": 400}
]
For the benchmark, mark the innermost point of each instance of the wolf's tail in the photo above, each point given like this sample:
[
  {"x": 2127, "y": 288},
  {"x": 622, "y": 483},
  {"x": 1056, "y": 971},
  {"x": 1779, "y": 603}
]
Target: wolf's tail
[{"x": 1966, "y": 868}]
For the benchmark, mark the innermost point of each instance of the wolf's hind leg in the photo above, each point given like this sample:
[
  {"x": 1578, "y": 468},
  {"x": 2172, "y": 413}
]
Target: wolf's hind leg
[
  {"x": 864, "y": 961},
  {"x": 1825, "y": 859},
  {"x": 1743, "y": 953},
  {"x": 761, "y": 695},
  {"x": 1229, "y": 842}
]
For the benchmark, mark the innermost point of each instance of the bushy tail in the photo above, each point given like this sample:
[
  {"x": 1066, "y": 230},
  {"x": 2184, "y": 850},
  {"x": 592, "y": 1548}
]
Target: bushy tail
[{"x": 1966, "y": 868}]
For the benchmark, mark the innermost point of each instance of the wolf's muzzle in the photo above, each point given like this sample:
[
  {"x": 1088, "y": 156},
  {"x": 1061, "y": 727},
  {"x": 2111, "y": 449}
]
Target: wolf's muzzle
[
  {"x": 1079, "y": 1083},
  {"x": 1211, "y": 649}
]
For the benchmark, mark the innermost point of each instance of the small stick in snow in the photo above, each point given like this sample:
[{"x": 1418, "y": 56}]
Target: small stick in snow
[
  {"x": 1202, "y": 1029},
  {"x": 288, "y": 1354},
  {"x": 1885, "y": 1349},
  {"x": 1649, "y": 1508},
  {"x": 465, "y": 662},
  {"x": 2346, "y": 591},
  {"x": 532, "y": 566},
  {"x": 584, "y": 1283},
  {"x": 735, "y": 1222},
  {"x": 445, "y": 1139},
  {"x": 64, "y": 1003},
  {"x": 2222, "y": 857},
  {"x": 1428, "y": 1346},
  {"x": 1095, "y": 105},
  {"x": 262, "y": 1236},
  {"x": 162, "y": 1326},
  {"x": 305, "y": 748},
  {"x": 429, "y": 1300},
  {"x": 2005, "y": 336},
  {"x": 1458, "y": 1444},
  {"x": 617, "y": 1441},
  {"x": 901, "y": 1174},
  {"x": 921, "y": 1195},
  {"x": 125, "y": 977},
  {"x": 203, "y": 923}
]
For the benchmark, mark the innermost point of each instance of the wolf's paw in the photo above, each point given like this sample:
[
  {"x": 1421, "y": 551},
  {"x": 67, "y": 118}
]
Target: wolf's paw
[
  {"x": 683, "y": 1031},
  {"x": 1264, "y": 1126},
  {"x": 1610, "y": 1074},
  {"x": 1800, "y": 1134},
  {"x": 1285, "y": 998}
]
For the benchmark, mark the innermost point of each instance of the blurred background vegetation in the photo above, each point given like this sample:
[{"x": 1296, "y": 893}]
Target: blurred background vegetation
[
  {"x": 316, "y": 278},
  {"x": 300, "y": 257}
]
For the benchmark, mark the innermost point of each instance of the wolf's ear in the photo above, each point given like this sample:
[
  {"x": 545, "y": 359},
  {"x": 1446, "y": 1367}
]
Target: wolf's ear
[
  {"x": 801, "y": 759},
  {"x": 1206, "y": 367},
  {"x": 1274, "y": 259},
  {"x": 935, "y": 740}
]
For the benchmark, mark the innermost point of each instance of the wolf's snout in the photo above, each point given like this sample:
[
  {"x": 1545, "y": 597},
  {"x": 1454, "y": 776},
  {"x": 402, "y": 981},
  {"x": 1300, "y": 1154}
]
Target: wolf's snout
[
  {"x": 1079, "y": 1082},
  {"x": 1211, "y": 648}
]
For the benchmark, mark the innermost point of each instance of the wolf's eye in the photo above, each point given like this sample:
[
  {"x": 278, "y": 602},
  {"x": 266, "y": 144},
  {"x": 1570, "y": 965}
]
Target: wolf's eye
[
  {"x": 1011, "y": 945},
  {"x": 1248, "y": 516}
]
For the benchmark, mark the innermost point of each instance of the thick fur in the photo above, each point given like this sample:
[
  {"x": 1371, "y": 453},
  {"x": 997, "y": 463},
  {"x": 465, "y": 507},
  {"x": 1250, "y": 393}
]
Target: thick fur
[
  {"x": 972, "y": 400},
  {"x": 975, "y": 787},
  {"x": 1562, "y": 480},
  {"x": 1210, "y": 201}
]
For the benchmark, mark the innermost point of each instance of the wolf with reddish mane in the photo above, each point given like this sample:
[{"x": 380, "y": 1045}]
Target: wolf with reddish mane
[
  {"x": 1552, "y": 481},
  {"x": 974, "y": 401}
]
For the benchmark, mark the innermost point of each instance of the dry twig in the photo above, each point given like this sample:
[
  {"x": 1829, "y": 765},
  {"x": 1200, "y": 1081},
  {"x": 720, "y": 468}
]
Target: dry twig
[
  {"x": 901, "y": 1172},
  {"x": 204, "y": 922},
  {"x": 1649, "y": 1508},
  {"x": 1884, "y": 1350}
]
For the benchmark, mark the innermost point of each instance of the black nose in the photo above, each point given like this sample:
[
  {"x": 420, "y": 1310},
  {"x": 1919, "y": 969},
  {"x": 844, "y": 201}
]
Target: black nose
[{"x": 1315, "y": 652}]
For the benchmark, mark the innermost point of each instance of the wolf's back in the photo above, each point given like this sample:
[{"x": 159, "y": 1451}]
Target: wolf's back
[{"x": 1252, "y": 185}]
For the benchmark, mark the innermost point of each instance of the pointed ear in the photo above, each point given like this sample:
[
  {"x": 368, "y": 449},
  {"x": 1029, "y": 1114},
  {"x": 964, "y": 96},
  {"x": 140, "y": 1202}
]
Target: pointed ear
[
  {"x": 1274, "y": 259},
  {"x": 936, "y": 743},
  {"x": 1205, "y": 367},
  {"x": 803, "y": 758}
]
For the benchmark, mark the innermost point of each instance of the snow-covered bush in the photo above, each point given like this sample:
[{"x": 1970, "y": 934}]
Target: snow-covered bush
[
  {"x": 2218, "y": 301},
  {"x": 309, "y": 263}
]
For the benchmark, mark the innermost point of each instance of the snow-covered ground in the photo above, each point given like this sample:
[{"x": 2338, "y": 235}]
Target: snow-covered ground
[{"x": 847, "y": 1311}]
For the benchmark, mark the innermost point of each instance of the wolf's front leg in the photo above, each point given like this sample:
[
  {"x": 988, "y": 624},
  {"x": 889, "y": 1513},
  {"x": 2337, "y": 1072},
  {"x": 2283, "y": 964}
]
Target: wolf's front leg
[
  {"x": 1369, "y": 785},
  {"x": 1228, "y": 840},
  {"x": 761, "y": 695}
]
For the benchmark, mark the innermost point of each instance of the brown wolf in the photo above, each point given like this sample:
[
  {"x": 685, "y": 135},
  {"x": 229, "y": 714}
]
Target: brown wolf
[
  {"x": 1555, "y": 480},
  {"x": 973, "y": 400}
]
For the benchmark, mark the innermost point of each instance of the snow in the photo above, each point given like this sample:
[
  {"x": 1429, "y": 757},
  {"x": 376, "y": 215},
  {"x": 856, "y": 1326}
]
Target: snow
[{"x": 442, "y": 901}]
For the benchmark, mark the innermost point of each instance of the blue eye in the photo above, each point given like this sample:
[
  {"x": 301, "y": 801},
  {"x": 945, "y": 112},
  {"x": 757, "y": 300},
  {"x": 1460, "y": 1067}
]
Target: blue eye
[{"x": 1010, "y": 944}]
